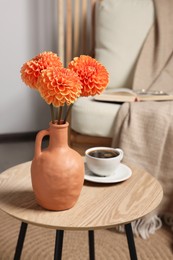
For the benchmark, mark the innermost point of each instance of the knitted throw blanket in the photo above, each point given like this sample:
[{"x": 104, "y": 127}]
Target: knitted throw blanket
[{"x": 144, "y": 130}]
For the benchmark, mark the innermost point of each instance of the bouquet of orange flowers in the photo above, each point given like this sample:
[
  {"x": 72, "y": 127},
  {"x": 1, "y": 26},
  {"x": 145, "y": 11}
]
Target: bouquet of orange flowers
[{"x": 58, "y": 86}]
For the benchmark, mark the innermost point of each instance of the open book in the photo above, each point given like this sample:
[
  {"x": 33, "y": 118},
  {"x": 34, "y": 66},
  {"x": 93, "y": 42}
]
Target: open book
[{"x": 121, "y": 95}]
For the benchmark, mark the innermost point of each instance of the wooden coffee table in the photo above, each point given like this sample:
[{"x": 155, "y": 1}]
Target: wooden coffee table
[{"x": 100, "y": 206}]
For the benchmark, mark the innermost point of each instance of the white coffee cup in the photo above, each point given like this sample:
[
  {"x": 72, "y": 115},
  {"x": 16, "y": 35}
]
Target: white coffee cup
[{"x": 103, "y": 161}]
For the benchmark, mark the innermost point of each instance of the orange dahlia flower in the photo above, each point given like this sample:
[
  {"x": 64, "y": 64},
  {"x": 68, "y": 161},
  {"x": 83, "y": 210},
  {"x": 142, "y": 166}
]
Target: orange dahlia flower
[
  {"x": 31, "y": 70},
  {"x": 59, "y": 86},
  {"x": 93, "y": 75}
]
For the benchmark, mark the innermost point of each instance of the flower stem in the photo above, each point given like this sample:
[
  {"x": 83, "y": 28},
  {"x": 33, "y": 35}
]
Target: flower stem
[
  {"x": 60, "y": 115},
  {"x": 52, "y": 114},
  {"x": 68, "y": 112}
]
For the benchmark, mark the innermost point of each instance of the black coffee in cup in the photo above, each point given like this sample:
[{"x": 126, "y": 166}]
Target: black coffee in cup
[{"x": 103, "y": 153}]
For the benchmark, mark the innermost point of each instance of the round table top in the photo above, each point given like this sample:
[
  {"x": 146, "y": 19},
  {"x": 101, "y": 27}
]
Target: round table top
[{"x": 98, "y": 206}]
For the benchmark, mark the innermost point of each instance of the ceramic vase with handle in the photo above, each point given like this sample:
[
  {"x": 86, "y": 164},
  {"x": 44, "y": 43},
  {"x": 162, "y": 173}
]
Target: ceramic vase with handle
[{"x": 57, "y": 172}]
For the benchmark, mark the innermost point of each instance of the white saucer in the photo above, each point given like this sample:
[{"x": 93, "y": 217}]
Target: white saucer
[{"x": 122, "y": 173}]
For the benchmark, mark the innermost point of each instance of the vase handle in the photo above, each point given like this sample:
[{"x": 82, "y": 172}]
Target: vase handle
[{"x": 38, "y": 141}]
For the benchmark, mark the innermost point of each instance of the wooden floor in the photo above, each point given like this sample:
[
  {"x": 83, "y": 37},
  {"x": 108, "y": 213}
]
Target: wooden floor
[
  {"x": 80, "y": 148},
  {"x": 82, "y": 142}
]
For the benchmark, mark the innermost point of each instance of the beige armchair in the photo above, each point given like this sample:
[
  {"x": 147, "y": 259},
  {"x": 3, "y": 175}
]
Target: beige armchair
[{"x": 113, "y": 32}]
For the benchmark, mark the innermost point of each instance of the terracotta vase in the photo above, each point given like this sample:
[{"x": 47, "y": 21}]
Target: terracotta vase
[{"x": 57, "y": 172}]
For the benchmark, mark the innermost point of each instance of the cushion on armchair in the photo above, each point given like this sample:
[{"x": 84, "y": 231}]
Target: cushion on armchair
[{"x": 121, "y": 28}]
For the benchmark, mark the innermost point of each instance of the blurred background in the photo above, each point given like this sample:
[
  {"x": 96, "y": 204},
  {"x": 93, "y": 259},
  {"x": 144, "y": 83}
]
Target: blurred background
[{"x": 27, "y": 27}]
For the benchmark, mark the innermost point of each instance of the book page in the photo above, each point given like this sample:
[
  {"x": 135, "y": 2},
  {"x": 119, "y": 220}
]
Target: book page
[
  {"x": 121, "y": 95},
  {"x": 117, "y": 95}
]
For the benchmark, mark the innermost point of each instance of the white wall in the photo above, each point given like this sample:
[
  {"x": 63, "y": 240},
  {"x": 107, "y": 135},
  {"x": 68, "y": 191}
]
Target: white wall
[{"x": 27, "y": 27}]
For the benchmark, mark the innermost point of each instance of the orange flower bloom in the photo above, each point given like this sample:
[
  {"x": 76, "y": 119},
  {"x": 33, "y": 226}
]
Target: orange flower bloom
[
  {"x": 59, "y": 86},
  {"x": 31, "y": 70},
  {"x": 93, "y": 75}
]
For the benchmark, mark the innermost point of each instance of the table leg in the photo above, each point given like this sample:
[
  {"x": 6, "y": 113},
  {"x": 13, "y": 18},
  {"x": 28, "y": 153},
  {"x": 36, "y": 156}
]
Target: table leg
[
  {"x": 131, "y": 242},
  {"x": 91, "y": 244},
  {"x": 20, "y": 241},
  {"x": 58, "y": 244}
]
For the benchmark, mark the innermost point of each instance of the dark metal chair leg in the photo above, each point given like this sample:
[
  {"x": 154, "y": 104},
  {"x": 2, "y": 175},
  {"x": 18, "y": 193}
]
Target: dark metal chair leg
[
  {"x": 131, "y": 242},
  {"x": 20, "y": 241},
  {"x": 58, "y": 244},
  {"x": 91, "y": 245}
]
